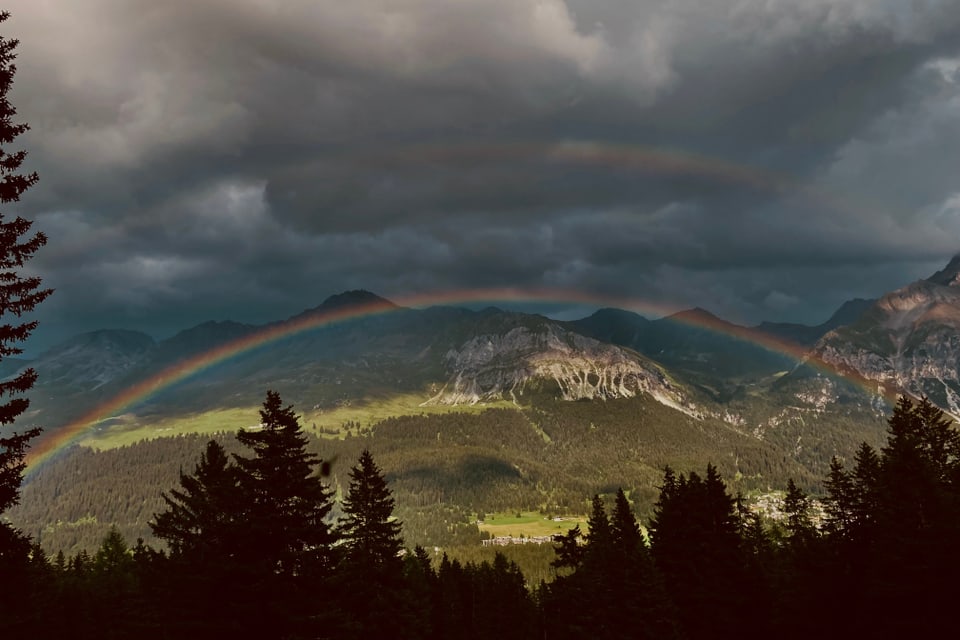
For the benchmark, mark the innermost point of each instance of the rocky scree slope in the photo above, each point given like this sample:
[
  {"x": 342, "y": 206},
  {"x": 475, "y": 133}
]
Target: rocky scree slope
[{"x": 501, "y": 366}]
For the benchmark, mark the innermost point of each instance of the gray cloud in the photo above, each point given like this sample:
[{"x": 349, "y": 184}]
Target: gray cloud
[{"x": 244, "y": 159}]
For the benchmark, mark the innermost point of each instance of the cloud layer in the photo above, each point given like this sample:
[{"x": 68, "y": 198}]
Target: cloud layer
[{"x": 245, "y": 158}]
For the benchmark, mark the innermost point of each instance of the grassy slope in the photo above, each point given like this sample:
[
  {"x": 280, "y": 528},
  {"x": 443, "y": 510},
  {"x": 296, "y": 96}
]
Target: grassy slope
[{"x": 129, "y": 429}]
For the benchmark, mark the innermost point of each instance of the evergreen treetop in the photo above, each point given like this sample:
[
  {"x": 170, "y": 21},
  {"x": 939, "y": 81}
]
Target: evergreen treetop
[
  {"x": 371, "y": 535},
  {"x": 286, "y": 518},
  {"x": 203, "y": 516}
]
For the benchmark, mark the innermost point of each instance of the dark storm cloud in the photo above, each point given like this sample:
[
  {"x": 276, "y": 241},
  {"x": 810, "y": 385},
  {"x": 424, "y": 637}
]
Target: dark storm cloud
[{"x": 212, "y": 158}]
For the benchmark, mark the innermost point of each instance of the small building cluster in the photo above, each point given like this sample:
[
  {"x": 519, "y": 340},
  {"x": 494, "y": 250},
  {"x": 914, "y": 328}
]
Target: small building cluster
[{"x": 502, "y": 541}]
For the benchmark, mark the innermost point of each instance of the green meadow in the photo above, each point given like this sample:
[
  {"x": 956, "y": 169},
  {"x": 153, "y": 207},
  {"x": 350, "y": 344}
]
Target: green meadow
[
  {"x": 128, "y": 429},
  {"x": 528, "y": 524}
]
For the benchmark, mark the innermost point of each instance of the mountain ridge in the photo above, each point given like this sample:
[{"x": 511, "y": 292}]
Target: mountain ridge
[
  {"x": 451, "y": 355},
  {"x": 909, "y": 339}
]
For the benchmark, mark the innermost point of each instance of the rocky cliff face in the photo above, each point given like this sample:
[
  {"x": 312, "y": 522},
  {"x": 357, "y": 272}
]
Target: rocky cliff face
[
  {"x": 494, "y": 367},
  {"x": 909, "y": 340}
]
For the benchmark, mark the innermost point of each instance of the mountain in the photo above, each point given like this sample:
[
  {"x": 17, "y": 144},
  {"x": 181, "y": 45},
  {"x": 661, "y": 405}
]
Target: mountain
[
  {"x": 352, "y": 347},
  {"x": 806, "y": 335},
  {"x": 82, "y": 370},
  {"x": 949, "y": 276},
  {"x": 348, "y": 299},
  {"x": 90, "y": 361},
  {"x": 709, "y": 347},
  {"x": 616, "y": 326},
  {"x": 696, "y": 346},
  {"x": 498, "y": 366},
  {"x": 202, "y": 337},
  {"x": 908, "y": 340},
  {"x": 357, "y": 347}
]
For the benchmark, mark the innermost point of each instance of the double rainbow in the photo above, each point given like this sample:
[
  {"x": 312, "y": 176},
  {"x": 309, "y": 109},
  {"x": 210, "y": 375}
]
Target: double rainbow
[{"x": 576, "y": 154}]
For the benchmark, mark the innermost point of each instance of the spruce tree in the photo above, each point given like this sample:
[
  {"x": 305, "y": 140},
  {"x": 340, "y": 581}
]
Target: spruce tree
[
  {"x": 866, "y": 492},
  {"x": 18, "y": 296},
  {"x": 599, "y": 533},
  {"x": 569, "y": 551},
  {"x": 839, "y": 502},
  {"x": 205, "y": 526},
  {"x": 372, "y": 582},
  {"x": 641, "y": 603},
  {"x": 796, "y": 506},
  {"x": 286, "y": 518},
  {"x": 203, "y": 518},
  {"x": 916, "y": 523},
  {"x": 696, "y": 545},
  {"x": 623, "y": 525},
  {"x": 371, "y": 536}
]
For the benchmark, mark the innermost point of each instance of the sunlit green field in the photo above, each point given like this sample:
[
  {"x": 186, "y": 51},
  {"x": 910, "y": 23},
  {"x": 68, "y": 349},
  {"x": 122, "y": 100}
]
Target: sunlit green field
[
  {"x": 529, "y": 524},
  {"x": 129, "y": 428}
]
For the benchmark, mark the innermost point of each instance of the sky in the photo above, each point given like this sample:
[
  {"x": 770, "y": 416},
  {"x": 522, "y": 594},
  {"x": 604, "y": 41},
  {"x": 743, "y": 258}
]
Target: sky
[{"x": 245, "y": 159}]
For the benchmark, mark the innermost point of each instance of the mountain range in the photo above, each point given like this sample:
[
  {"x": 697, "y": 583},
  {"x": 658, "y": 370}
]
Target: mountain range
[{"x": 907, "y": 341}]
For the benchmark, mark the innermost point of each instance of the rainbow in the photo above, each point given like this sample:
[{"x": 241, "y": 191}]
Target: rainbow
[
  {"x": 573, "y": 153},
  {"x": 70, "y": 433}
]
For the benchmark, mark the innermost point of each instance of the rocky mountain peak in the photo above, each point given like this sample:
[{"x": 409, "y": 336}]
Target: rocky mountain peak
[
  {"x": 919, "y": 303},
  {"x": 499, "y": 366},
  {"x": 909, "y": 340},
  {"x": 949, "y": 276}
]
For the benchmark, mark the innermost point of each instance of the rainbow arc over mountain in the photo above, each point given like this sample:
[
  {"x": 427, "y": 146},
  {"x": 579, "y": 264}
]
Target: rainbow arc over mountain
[
  {"x": 577, "y": 155},
  {"x": 64, "y": 436}
]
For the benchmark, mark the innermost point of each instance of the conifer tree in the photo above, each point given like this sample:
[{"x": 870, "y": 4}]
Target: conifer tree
[
  {"x": 370, "y": 534},
  {"x": 696, "y": 546},
  {"x": 624, "y": 528},
  {"x": 569, "y": 551},
  {"x": 203, "y": 518},
  {"x": 286, "y": 519},
  {"x": 839, "y": 502},
  {"x": 114, "y": 555},
  {"x": 373, "y": 585},
  {"x": 206, "y": 527},
  {"x": 18, "y": 294},
  {"x": 796, "y": 506},
  {"x": 915, "y": 521},
  {"x": 641, "y": 603},
  {"x": 599, "y": 533},
  {"x": 866, "y": 491}
]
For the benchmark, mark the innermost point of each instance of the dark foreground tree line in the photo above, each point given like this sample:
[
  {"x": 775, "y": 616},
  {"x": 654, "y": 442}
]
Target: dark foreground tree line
[{"x": 252, "y": 550}]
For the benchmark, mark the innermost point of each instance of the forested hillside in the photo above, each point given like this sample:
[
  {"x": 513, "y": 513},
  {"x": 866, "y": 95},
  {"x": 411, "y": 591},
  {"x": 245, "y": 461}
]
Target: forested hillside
[{"x": 444, "y": 469}]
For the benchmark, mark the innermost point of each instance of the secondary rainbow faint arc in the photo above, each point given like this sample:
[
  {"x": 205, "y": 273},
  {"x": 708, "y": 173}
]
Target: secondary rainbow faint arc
[
  {"x": 576, "y": 153},
  {"x": 195, "y": 365}
]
